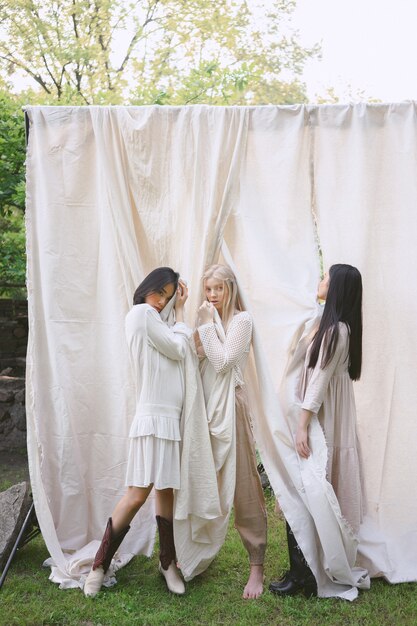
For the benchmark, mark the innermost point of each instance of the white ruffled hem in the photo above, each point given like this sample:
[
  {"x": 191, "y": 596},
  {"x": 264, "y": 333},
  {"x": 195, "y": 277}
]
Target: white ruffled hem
[
  {"x": 153, "y": 460},
  {"x": 160, "y": 426}
]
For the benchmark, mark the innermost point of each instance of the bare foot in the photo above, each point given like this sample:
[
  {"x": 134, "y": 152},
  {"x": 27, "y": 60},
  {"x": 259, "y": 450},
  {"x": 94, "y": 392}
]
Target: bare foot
[{"x": 255, "y": 585}]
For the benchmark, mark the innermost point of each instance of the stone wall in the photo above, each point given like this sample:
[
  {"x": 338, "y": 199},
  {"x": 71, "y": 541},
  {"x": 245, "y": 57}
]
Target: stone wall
[{"x": 13, "y": 345}]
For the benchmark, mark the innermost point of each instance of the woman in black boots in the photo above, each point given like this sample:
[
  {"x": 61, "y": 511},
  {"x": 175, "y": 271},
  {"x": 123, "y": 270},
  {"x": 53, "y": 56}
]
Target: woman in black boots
[
  {"x": 333, "y": 360},
  {"x": 299, "y": 577},
  {"x": 157, "y": 353}
]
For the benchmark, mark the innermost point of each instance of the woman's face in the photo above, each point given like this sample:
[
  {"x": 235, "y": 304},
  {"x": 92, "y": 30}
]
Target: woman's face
[
  {"x": 159, "y": 299},
  {"x": 323, "y": 287},
  {"x": 216, "y": 292}
]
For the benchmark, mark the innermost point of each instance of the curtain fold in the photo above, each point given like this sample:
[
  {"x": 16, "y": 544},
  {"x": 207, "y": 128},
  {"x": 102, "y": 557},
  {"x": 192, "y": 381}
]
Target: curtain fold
[
  {"x": 113, "y": 192},
  {"x": 366, "y": 197}
]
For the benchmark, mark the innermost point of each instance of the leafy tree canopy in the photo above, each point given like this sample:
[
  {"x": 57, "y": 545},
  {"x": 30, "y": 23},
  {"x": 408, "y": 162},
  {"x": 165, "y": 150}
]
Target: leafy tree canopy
[{"x": 154, "y": 51}]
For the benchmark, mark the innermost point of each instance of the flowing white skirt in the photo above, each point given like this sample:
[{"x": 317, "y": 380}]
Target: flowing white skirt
[{"x": 153, "y": 460}]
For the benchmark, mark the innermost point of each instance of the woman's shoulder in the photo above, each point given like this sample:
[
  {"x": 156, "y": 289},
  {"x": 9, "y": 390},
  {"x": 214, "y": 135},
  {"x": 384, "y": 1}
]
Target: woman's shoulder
[
  {"x": 139, "y": 309},
  {"x": 140, "y": 312},
  {"x": 344, "y": 329},
  {"x": 342, "y": 335},
  {"x": 240, "y": 316},
  {"x": 241, "y": 319}
]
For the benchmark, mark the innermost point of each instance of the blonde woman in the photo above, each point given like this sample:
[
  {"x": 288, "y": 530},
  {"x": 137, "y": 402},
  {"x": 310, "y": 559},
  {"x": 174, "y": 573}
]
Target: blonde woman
[{"x": 223, "y": 339}]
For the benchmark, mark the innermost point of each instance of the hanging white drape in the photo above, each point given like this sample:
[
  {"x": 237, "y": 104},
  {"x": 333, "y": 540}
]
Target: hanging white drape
[
  {"x": 272, "y": 249},
  {"x": 111, "y": 194},
  {"x": 365, "y": 164},
  {"x": 115, "y": 191}
]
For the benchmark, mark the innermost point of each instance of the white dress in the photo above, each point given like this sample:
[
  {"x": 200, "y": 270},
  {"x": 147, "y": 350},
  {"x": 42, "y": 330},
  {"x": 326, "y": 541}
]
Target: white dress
[
  {"x": 328, "y": 393},
  {"x": 157, "y": 352}
]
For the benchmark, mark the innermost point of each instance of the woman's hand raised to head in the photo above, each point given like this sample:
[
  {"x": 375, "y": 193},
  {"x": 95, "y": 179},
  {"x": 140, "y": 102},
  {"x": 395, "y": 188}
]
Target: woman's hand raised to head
[
  {"x": 206, "y": 313},
  {"x": 182, "y": 295}
]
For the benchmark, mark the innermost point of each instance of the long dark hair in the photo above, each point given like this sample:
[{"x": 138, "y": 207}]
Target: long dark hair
[
  {"x": 155, "y": 281},
  {"x": 343, "y": 304}
]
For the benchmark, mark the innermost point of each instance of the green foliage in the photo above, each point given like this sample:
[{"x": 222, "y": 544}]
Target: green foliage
[
  {"x": 12, "y": 258},
  {"x": 154, "y": 51},
  {"x": 12, "y": 197},
  {"x": 12, "y": 154}
]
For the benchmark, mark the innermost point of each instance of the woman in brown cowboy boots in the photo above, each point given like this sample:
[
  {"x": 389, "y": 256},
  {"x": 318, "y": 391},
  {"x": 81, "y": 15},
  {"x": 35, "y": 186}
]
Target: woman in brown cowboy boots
[{"x": 157, "y": 352}]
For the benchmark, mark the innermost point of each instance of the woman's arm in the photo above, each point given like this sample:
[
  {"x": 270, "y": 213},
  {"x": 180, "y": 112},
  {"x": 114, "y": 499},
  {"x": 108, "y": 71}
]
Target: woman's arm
[
  {"x": 316, "y": 390},
  {"x": 171, "y": 342},
  {"x": 301, "y": 438},
  {"x": 320, "y": 377},
  {"x": 198, "y": 345},
  {"x": 224, "y": 356},
  {"x": 181, "y": 298}
]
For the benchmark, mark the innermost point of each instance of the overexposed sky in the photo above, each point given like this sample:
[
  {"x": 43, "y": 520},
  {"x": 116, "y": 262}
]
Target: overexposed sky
[{"x": 367, "y": 45}]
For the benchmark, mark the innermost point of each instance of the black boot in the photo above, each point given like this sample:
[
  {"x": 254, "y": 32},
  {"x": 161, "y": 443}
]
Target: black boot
[{"x": 299, "y": 577}]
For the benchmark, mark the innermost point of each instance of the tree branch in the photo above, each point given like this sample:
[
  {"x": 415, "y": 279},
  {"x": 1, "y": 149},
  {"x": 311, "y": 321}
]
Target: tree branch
[
  {"x": 10, "y": 59},
  {"x": 136, "y": 36},
  {"x": 77, "y": 67}
]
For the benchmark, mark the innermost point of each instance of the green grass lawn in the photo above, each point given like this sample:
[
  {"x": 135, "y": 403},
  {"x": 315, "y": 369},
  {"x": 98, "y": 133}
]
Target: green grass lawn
[{"x": 28, "y": 598}]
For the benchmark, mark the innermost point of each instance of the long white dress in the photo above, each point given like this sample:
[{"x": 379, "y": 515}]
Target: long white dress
[
  {"x": 157, "y": 353},
  {"x": 328, "y": 393},
  {"x": 249, "y": 503}
]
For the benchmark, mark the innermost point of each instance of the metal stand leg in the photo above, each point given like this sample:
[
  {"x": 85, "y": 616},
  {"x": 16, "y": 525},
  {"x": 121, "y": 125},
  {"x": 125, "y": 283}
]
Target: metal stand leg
[{"x": 29, "y": 530}]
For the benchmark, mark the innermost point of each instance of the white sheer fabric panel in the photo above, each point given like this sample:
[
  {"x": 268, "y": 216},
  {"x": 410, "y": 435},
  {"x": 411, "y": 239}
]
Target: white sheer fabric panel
[
  {"x": 271, "y": 235},
  {"x": 112, "y": 193},
  {"x": 270, "y": 242},
  {"x": 366, "y": 197},
  {"x": 79, "y": 385}
]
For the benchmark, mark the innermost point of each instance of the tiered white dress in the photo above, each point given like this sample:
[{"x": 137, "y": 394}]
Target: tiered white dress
[{"x": 157, "y": 353}]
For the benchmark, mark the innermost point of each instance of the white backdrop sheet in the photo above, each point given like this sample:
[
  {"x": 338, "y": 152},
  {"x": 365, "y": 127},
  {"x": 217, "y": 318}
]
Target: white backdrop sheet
[{"x": 115, "y": 191}]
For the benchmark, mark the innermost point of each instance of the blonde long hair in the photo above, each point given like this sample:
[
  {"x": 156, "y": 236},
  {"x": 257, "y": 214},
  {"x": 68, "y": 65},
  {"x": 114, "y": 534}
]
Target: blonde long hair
[{"x": 232, "y": 301}]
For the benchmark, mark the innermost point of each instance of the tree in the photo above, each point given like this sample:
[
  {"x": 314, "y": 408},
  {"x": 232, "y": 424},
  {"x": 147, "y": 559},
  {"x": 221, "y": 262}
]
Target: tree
[
  {"x": 137, "y": 52},
  {"x": 12, "y": 154},
  {"x": 154, "y": 51},
  {"x": 12, "y": 196}
]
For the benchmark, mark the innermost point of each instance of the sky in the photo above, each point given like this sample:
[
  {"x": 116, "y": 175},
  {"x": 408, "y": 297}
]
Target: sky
[{"x": 369, "y": 47}]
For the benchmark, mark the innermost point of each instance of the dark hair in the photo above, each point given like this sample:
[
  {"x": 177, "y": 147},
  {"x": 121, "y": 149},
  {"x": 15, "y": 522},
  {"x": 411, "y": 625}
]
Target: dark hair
[
  {"x": 343, "y": 304},
  {"x": 155, "y": 281}
]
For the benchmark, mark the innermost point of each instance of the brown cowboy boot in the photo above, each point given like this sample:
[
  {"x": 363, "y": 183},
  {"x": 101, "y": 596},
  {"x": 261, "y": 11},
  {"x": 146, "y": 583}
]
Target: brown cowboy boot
[
  {"x": 167, "y": 565},
  {"x": 102, "y": 560}
]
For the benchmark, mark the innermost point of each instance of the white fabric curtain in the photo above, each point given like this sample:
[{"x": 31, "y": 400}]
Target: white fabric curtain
[
  {"x": 270, "y": 242},
  {"x": 115, "y": 191},
  {"x": 365, "y": 164},
  {"x": 111, "y": 194}
]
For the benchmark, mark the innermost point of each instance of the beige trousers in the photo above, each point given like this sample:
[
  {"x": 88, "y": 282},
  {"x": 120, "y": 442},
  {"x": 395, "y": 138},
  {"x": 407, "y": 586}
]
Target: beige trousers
[{"x": 249, "y": 502}]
